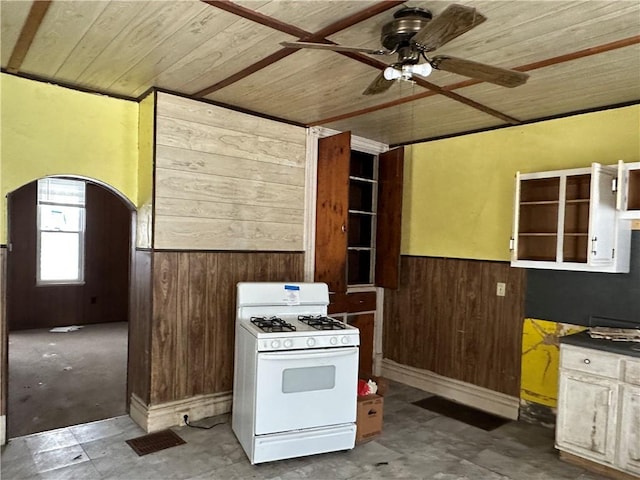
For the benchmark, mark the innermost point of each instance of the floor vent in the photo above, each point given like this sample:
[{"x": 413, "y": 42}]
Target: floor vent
[
  {"x": 154, "y": 442},
  {"x": 469, "y": 415}
]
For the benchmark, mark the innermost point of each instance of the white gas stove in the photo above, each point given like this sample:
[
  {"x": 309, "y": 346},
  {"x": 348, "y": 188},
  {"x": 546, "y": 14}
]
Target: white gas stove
[{"x": 295, "y": 373}]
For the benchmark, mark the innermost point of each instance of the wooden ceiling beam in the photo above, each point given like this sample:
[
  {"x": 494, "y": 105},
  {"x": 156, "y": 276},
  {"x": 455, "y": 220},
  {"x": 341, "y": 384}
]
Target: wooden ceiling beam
[
  {"x": 27, "y": 34},
  {"x": 606, "y": 47},
  {"x": 320, "y": 36},
  {"x": 267, "y": 21}
]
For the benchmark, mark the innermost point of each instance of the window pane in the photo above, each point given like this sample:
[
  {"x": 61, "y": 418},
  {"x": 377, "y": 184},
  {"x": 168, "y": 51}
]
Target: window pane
[
  {"x": 59, "y": 256},
  {"x": 60, "y": 218},
  {"x": 60, "y": 190}
]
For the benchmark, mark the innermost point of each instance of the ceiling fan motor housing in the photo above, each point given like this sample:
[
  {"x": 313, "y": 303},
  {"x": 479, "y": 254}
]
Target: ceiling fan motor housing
[{"x": 396, "y": 35}]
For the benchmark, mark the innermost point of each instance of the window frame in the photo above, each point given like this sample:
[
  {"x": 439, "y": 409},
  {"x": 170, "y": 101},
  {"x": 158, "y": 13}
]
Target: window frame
[{"x": 80, "y": 280}]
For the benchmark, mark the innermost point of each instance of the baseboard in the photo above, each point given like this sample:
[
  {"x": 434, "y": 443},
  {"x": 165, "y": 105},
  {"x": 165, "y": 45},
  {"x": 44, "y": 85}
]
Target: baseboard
[
  {"x": 466, "y": 393},
  {"x": 3, "y": 429},
  {"x": 596, "y": 467},
  {"x": 158, "y": 417}
]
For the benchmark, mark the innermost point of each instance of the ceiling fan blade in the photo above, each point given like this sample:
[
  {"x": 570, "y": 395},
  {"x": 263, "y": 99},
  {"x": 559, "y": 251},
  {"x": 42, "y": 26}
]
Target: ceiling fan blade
[
  {"x": 335, "y": 48},
  {"x": 451, "y": 23},
  {"x": 481, "y": 71},
  {"x": 379, "y": 85}
]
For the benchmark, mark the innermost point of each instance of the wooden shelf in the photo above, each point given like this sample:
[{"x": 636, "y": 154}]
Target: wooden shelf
[{"x": 633, "y": 199}]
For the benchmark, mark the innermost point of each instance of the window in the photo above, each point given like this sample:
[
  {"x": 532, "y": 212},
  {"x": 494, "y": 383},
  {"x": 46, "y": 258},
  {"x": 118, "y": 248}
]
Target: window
[{"x": 61, "y": 225}]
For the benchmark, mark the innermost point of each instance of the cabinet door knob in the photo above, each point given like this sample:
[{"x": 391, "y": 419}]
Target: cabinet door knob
[
  {"x": 587, "y": 361},
  {"x": 344, "y": 228}
]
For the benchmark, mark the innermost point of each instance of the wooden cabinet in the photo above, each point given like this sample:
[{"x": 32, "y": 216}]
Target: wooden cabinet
[
  {"x": 567, "y": 220},
  {"x": 358, "y": 215},
  {"x": 630, "y": 435},
  {"x": 598, "y": 408}
]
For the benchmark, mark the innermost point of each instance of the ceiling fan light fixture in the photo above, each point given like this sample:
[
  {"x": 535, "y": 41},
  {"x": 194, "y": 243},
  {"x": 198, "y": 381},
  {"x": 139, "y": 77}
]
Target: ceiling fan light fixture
[
  {"x": 391, "y": 73},
  {"x": 422, "y": 69}
]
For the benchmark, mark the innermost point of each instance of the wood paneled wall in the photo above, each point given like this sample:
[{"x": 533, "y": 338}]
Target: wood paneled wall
[
  {"x": 194, "y": 302},
  {"x": 3, "y": 331},
  {"x": 225, "y": 180},
  {"x": 103, "y": 297},
  {"x": 446, "y": 318},
  {"x": 139, "y": 348}
]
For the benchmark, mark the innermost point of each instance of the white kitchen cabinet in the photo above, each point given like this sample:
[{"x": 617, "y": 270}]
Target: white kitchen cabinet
[
  {"x": 629, "y": 190},
  {"x": 598, "y": 415},
  {"x": 630, "y": 434},
  {"x": 567, "y": 220}
]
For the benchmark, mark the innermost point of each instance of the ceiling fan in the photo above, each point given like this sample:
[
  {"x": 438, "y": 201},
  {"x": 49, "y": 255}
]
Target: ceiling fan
[{"x": 411, "y": 34}]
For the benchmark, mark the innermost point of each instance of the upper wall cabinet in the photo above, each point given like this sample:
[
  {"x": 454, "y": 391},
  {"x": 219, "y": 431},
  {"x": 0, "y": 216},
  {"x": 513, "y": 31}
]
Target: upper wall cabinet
[
  {"x": 629, "y": 190},
  {"x": 567, "y": 220},
  {"x": 358, "y": 214}
]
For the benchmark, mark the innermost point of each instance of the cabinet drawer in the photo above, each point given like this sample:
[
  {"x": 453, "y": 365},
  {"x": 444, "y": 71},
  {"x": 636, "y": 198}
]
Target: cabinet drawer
[
  {"x": 352, "y": 302},
  {"x": 362, "y": 301},
  {"x": 590, "y": 361},
  {"x": 632, "y": 372}
]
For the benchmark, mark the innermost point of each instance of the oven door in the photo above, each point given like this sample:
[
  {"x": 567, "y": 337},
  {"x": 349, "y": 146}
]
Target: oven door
[{"x": 306, "y": 388}]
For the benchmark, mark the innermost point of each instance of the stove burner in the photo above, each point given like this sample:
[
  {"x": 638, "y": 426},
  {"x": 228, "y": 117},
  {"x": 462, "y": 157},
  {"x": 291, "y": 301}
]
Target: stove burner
[
  {"x": 320, "y": 322},
  {"x": 272, "y": 324}
]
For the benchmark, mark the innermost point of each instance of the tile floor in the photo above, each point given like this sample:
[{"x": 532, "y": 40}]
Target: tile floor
[{"x": 415, "y": 444}]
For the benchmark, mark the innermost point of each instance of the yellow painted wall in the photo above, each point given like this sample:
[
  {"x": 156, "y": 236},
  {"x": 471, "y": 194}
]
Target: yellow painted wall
[
  {"x": 146, "y": 141},
  {"x": 51, "y": 130},
  {"x": 459, "y": 192},
  {"x": 540, "y": 360}
]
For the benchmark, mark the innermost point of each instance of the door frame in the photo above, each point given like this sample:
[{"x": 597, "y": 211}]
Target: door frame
[{"x": 5, "y": 252}]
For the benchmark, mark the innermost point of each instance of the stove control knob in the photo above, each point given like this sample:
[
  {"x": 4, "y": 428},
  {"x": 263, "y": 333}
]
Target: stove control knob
[
  {"x": 334, "y": 341},
  {"x": 345, "y": 340},
  {"x": 311, "y": 342},
  {"x": 288, "y": 344},
  {"x": 275, "y": 344}
]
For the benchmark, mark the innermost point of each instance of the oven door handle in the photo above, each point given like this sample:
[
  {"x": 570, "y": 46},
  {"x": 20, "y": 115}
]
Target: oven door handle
[{"x": 338, "y": 352}]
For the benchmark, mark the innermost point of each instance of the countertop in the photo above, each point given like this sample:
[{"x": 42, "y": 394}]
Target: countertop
[{"x": 583, "y": 339}]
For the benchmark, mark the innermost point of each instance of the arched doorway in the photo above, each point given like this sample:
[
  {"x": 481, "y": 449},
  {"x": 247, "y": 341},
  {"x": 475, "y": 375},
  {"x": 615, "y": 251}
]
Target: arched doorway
[{"x": 67, "y": 355}]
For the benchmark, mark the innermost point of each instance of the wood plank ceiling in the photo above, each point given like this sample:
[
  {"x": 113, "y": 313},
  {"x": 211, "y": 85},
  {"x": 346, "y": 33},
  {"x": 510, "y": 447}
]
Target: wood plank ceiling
[{"x": 580, "y": 55}]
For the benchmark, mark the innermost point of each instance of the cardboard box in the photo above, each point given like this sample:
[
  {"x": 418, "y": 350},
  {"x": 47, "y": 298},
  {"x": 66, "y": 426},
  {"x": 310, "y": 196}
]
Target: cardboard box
[{"x": 369, "y": 418}]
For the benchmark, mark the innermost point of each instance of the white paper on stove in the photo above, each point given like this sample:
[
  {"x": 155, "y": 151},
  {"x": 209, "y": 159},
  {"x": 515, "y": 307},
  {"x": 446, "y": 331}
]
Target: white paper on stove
[{"x": 292, "y": 294}]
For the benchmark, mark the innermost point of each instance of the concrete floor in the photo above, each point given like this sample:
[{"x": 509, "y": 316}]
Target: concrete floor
[
  {"x": 62, "y": 379},
  {"x": 415, "y": 444}
]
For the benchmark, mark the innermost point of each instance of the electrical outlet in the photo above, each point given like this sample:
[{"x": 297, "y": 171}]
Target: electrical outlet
[{"x": 501, "y": 289}]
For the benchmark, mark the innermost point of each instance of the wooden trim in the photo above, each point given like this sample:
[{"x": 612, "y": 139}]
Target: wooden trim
[
  {"x": 257, "y": 17},
  {"x": 605, "y": 47},
  {"x": 27, "y": 34},
  {"x": 354, "y": 19},
  {"x": 245, "y": 72},
  {"x": 286, "y": 28},
  {"x": 526, "y": 122},
  {"x": 331, "y": 29},
  {"x": 78, "y": 88},
  {"x": 595, "y": 467},
  {"x": 467, "y": 83}
]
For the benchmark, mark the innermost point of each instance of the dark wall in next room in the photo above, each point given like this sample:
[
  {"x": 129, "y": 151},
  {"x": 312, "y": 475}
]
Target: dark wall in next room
[{"x": 104, "y": 295}]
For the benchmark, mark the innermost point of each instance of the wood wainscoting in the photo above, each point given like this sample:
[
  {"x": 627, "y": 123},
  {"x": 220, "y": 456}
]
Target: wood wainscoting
[
  {"x": 447, "y": 319},
  {"x": 193, "y": 316},
  {"x": 3, "y": 346},
  {"x": 183, "y": 328}
]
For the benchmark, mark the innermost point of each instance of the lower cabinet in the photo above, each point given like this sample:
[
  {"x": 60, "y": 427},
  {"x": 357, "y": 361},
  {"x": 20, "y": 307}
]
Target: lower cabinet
[
  {"x": 630, "y": 432},
  {"x": 358, "y": 309},
  {"x": 598, "y": 409}
]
